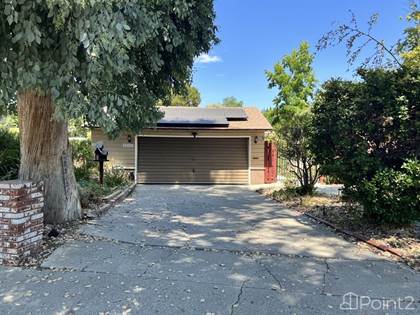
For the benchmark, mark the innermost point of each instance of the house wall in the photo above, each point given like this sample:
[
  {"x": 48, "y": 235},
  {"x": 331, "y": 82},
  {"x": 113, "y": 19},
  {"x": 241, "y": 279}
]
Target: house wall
[{"x": 123, "y": 153}]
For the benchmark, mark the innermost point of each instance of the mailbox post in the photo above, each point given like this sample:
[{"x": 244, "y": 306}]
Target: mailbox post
[{"x": 101, "y": 156}]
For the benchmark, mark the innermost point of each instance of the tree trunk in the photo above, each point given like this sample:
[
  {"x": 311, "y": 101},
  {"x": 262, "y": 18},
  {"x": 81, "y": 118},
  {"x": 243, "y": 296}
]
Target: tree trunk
[{"x": 46, "y": 156}]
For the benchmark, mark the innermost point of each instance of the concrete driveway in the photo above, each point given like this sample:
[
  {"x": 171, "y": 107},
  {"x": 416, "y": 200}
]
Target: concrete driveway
[{"x": 208, "y": 250}]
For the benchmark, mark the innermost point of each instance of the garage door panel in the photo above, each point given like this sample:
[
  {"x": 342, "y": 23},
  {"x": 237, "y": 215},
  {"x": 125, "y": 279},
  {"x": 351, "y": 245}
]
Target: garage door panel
[
  {"x": 189, "y": 165},
  {"x": 189, "y": 160}
]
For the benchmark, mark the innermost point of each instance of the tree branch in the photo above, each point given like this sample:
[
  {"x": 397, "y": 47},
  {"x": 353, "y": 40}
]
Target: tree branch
[{"x": 380, "y": 43}]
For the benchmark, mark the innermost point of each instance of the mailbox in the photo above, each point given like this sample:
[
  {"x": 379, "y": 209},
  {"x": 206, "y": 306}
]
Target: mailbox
[
  {"x": 101, "y": 156},
  {"x": 100, "y": 153}
]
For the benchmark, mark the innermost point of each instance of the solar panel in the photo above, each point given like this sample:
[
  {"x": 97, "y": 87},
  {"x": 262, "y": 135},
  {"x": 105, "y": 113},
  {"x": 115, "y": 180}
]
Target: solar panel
[
  {"x": 235, "y": 113},
  {"x": 178, "y": 116}
]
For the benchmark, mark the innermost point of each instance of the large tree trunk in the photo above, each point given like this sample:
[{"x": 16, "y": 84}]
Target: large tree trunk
[{"x": 46, "y": 156}]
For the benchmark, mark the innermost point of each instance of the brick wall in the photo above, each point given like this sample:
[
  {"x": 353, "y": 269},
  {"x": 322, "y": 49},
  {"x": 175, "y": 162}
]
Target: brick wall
[{"x": 21, "y": 220}]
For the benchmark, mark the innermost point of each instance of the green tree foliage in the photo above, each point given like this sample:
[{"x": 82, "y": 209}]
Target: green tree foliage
[
  {"x": 291, "y": 115},
  {"x": 78, "y": 128},
  {"x": 366, "y": 132},
  {"x": 107, "y": 61},
  {"x": 229, "y": 101},
  {"x": 294, "y": 78},
  {"x": 393, "y": 196},
  {"x": 82, "y": 157},
  {"x": 10, "y": 123},
  {"x": 9, "y": 155},
  {"x": 363, "y": 128},
  {"x": 190, "y": 98},
  {"x": 409, "y": 47},
  {"x": 102, "y": 59}
]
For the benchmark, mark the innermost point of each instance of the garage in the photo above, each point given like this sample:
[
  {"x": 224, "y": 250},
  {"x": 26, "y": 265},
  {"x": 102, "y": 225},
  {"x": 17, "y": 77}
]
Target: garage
[
  {"x": 193, "y": 160},
  {"x": 193, "y": 145}
]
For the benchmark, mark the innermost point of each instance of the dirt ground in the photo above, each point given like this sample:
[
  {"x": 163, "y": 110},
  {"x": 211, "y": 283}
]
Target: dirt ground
[{"x": 329, "y": 207}]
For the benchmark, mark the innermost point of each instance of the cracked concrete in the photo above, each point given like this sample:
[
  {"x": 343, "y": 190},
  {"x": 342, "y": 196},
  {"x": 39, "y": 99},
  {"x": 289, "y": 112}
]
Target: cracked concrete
[
  {"x": 205, "y": 250},
  {"x": 238, "y": 299}
]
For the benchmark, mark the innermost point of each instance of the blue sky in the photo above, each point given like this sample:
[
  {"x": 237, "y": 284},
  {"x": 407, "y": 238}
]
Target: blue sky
[{"x": 256, "y": 34}]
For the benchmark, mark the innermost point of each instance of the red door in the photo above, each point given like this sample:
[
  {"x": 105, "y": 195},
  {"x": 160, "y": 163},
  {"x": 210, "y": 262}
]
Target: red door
[{"x": 270, "y": 162}]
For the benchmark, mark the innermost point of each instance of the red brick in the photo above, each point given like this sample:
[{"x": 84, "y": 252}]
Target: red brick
[{"x": 21, "y": 220}]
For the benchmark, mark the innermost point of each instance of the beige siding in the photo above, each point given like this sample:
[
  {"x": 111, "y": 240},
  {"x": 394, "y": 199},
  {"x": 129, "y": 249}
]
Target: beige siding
[
  {"x": 126, "y": 156},
  {"x": 121, "y": 152}
]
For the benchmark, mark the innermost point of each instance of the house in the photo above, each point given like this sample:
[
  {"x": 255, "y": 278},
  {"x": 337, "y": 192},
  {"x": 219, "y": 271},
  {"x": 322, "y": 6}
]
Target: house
[{"x": 197, "y": 145}]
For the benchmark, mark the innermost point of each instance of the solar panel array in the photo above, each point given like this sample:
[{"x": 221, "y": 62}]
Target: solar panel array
[{"x": 195, "y": 116}]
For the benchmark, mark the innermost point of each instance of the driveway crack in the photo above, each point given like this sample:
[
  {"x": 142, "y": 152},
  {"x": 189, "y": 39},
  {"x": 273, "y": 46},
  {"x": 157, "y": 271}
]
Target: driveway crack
[
  {"x": 238, "y": 299},
  {"x": 324, "y": 280},
  {"x": 270, "y": 273}
]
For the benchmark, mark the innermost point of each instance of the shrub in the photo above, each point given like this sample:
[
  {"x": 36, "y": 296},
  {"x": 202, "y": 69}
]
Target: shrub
[
  {"x": 286, "y": 194},
  {"x": 115, "y": 176},
  {"x": 91, "y": 192},
  {"x": 361, "y": 128},
  {"x": 392, "y": 196},
  {"x": 9, "y": 155},
  {"x": 82, "y": 153},
  {"x": 290, "y": 191},
  {"x": 362, "y": 134}
]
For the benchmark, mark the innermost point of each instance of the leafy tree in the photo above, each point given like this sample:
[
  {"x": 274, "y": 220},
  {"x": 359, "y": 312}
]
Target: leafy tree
[
  {"x": 191, "y": 98},
  {"x": 109, "y": 61},
  {"x": 229, "y": 101},
  {"x": 409, "y": 47},
  {"x": 365, "y": 133},
  {"x": 295, "y": 79},
  {"x": 363, "y": 128},
  {"x": 291, "y": 115},
  {"x": 78, "y": 128}
]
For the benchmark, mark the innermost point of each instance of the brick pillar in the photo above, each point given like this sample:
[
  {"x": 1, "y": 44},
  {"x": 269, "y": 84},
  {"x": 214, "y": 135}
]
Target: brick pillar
[{"x": 21, "y": 220}]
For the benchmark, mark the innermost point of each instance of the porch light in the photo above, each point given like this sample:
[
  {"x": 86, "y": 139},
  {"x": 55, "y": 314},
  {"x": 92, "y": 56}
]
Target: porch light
[{"x": 129, "y": 138}]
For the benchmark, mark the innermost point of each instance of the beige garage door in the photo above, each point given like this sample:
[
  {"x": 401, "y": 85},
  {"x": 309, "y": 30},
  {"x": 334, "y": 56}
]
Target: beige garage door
[{"x": 189, "y": 160}]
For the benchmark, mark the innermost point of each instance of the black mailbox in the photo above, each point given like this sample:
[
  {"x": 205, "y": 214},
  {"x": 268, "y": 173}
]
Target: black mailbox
[
  {"x": 101, "y": 156},
  {"x": 100, "y": 153}
]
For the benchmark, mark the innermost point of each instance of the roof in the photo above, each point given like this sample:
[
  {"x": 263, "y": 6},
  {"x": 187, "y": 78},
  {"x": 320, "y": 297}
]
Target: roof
[
  {"x": 256, "y": 120},
  {"x": 212, "y": 118}
]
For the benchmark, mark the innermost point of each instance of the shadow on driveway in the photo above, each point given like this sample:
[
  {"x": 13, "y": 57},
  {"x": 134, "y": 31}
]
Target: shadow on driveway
[{"x": 206, "y": 250}]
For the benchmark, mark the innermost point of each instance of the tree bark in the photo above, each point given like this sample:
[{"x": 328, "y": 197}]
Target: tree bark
[{"x": 46, "y": 156}]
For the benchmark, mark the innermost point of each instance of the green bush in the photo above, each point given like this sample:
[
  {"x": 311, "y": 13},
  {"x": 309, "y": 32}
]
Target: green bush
[
  {"x": 91, "y": 192},
  {"x": 9, "y": 155},
  {"x": 363, "y": 132},
  {"x": 82, "y": 153},
  {"x": 115, "y": 176},
  {"x": 392, "y": 197},
  {"x": 287, "y": 193}
]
